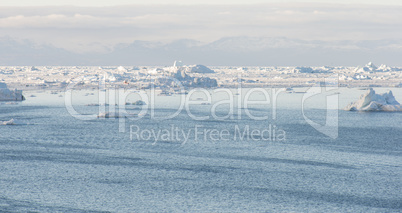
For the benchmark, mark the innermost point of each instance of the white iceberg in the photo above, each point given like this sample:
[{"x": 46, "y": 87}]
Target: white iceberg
[
  {"x": 370, "y": 101},
  {"x": 10, "y": 95},
  {"x": 110, "y": 115},
  {"x": 371, "y": 68},
  {"x": 117, "y": 115},
  {"x": 139, "y": 103},
  {"x": 384, "y": 68},
  {"x": 303, "y": 70},
  {"x": 198, "y": 68},
  {"x": 93, "y": 105},
  {"x": 121, "y": 69},
  {"x": 11, "y": 122},
  {"x": 178, "y": 64}
]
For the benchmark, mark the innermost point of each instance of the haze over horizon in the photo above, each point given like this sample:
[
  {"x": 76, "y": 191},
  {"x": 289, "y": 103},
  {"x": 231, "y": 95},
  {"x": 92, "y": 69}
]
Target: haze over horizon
[{"x": 300, "y": 33}]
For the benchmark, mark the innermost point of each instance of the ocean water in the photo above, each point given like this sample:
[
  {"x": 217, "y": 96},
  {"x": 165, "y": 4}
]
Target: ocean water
[{"x": 56, "y": 162}]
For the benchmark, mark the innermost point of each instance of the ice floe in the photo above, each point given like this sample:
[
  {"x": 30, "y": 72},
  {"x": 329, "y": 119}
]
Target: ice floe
[
  {"x": 370, "y": 101},
  {"x": 139, "y": 103},
  {"x": 198, "y": 68},
  {"x": 110, "y": 115},
  {"x": 118, "y": 115},
  {"x": 12, "y": 122},
  {"x": 10, "y": 95}
]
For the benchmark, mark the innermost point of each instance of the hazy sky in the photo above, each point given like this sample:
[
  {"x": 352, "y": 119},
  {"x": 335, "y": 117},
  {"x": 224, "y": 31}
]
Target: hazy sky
[
  {"x": 187, "y": 2},
  {"x": 83, "y": 26}
]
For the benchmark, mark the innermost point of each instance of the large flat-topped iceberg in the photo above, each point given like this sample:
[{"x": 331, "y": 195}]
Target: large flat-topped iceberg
[
  {"x": 10, "y": 95},
  {"x": 371, "y": 68},
  {"x": 370, "y": 101},
  {"x": 187, "y": 81},
  {"x": 199, "y": 69}
]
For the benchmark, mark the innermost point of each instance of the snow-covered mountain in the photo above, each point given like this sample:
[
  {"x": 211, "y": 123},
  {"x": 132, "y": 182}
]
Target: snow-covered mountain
[
  {"x": 236, "y": 51},
  {"x": 25, "y": 52}
]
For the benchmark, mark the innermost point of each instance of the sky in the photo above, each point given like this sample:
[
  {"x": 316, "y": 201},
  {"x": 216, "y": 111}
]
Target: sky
[
  {"x": 100, "y": 27},
  {"x": 101, "y": 3}
]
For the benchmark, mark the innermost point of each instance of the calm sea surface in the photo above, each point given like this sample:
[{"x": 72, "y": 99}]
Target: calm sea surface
[{"x": 57, "y": 162}]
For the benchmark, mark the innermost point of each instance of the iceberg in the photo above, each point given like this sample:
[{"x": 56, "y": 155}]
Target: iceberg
[
  {"x": 178, "y": 64},
  {"x": 11, "y": 122},
  {"x": 198, "y": 68},
  {"x": 139, "y": 103},
  {"x": 116, "y": 115},
  {"x": 121, "y": 69},
  {"x": 371, "y": 68},
  {"x": 370, "y": 101},
  {"x": 303, "y": 70},
  {"x": 10, "y": 95},
  {"x": 186, "y": 80},
  {"x": 311, "y": 70},
  {"x": 110, "y": 115}
]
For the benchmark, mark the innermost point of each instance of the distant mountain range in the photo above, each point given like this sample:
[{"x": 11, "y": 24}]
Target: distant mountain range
[{"x": 231, "y": 51}]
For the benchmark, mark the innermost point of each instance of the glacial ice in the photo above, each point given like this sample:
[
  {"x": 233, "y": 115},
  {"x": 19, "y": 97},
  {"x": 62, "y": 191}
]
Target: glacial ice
[
  {"x": 11, "y": 122},
  {"x": 10, "y": 95},
  {"x": 119, "y": 115},
  {"x": 186, "y": 80},
  {"x": 139, "y": 103},
  {"x": 143, "y": 77},
  {"x": 110, "y": 115},
  {"x": 198, "y": 68},
  {"x": 370, "y": 101},
  {"x": 371, "y": 68}
]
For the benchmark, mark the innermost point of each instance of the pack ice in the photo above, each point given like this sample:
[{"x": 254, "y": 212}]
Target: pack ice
[{"x": 370, "y": 101}]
